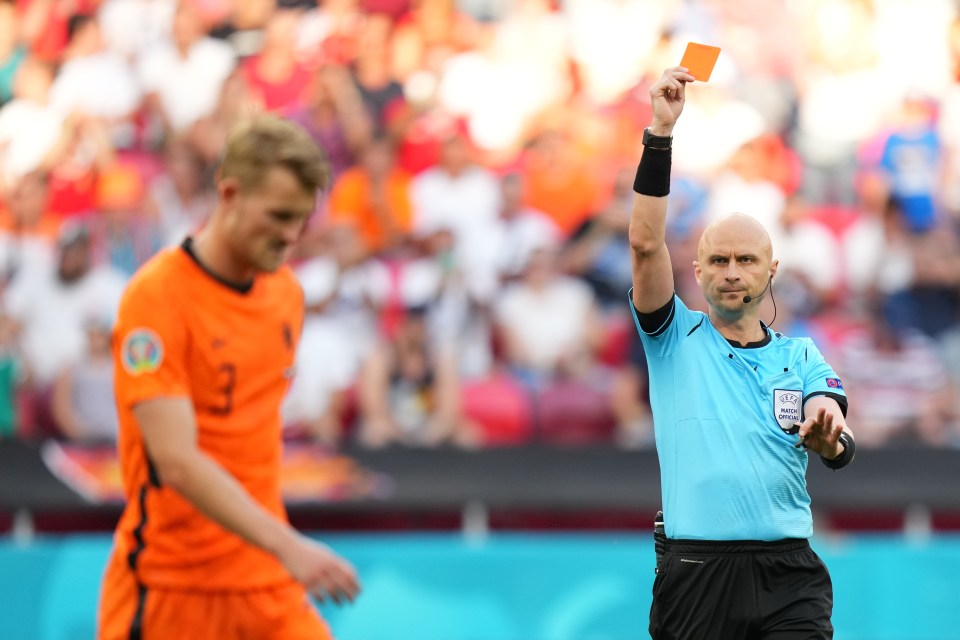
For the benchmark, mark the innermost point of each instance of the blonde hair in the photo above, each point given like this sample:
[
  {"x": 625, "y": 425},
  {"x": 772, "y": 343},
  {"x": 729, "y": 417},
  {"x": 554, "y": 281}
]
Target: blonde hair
[{"x": 260, "y": 143}]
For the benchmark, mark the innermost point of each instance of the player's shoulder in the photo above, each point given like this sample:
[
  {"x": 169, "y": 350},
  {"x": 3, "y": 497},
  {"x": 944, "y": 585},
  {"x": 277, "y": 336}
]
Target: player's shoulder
[
  {"x": 286, "y": 277},
  {"x": 159, "y": 276},
  {"x": 283, "y": 282}
]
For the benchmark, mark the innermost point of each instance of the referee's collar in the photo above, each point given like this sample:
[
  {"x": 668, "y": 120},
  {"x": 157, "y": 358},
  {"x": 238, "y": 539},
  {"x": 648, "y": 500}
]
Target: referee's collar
[{"x": 762, "y": 342}]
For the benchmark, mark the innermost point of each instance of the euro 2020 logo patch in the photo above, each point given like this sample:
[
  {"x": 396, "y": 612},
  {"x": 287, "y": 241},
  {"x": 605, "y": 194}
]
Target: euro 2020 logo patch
[
  {"x": 141, "y": 352},
  {"x": 786, "y": 408}
]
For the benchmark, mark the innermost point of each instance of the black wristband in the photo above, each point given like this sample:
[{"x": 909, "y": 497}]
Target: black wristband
[
  {"x": 653, "y": 173},
  {"x": 845, "y": 458}
]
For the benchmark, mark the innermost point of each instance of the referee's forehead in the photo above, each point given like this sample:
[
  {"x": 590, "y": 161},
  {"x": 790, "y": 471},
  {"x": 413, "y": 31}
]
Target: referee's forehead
[{"x": 737, "y": 233}]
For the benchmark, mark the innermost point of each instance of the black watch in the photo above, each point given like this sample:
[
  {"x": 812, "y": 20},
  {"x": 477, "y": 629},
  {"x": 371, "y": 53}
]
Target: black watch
[{"x": 656, "y": 142}]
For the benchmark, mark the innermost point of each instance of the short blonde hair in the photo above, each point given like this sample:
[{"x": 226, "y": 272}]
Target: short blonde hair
[{"x": 260, "y": 143}]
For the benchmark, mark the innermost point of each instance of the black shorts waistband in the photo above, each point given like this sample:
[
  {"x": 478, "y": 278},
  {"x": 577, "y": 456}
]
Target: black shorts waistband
[{"x": 727, "y": 547}]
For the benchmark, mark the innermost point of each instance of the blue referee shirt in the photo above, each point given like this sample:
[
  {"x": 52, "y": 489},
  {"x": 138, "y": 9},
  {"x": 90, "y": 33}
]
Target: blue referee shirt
[{"x": 728, "y": 468}]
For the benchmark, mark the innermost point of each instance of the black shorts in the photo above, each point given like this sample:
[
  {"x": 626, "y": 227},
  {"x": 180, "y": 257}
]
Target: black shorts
[{"x": 741, "y": 590}]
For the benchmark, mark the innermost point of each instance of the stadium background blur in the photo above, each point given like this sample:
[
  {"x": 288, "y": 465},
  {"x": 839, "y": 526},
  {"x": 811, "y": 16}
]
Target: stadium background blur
[{"x": 466, "y": 275}]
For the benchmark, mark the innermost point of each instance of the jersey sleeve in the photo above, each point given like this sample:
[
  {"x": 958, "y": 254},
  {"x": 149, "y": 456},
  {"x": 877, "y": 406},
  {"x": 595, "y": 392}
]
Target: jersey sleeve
[
  {"x": 820, "y": 379},
  {"x": 678, "y": 323},
  {"x": 150, "y": 347}
]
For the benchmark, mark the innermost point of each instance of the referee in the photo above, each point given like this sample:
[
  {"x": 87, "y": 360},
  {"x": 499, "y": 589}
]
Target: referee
[{"x": 736, "y": 408}]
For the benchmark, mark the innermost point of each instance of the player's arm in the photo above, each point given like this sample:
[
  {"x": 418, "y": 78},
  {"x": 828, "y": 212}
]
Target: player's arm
[
  {"x": 169, "y": 432},
  {"x": 822, "y": 428},
  {"x": 61, "y": 406},
  {"x": 652, "y": 271}
]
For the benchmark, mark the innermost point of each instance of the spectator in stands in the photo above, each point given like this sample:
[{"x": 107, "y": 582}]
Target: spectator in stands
[
  {"x": 803, "y": 245},
  {"x": 549, "y": 323},
  {"x": 629, "y": 398},
  {"x": 374, "y": 197},
  {"x": 87, "y": 64},
  {"x": 927, "y": 296},
  {"x": 911, "y": 159},
  {"x": 51, "y": 305},
  {"x": 28, "y": 230},
  {"x": 82, "y": 151},
  {"x": 520, "y": 229},
  {"x": 13, "y": 377},
  {"x": 903, "y": 389},
  {"x": 599, "y": 250},
  {"x": 46, "y": 25},
  {"x": 458, "y": 297},
  {"x": 333, "y": 113},
  {"x": 29, "y": 126},
  {"x": 410, "y": 391},
  {"x": 523, "y": 56},
  {"x": 82, "y": 402},
  {"x": 122, "y": 235},
  {"x": 428, "y": 34},
  {"x": 460, "y": 196},
  {"x": 12, "y": 51},
  {"x": 278, "y": 80},
  {"x": 420, "y": 123},
  {"x": 207, "y": 134},
  {"x": 319, "y": 399},
  {"x": 842, "y": 99},
  {"x": 372, "y": 70},
  {"x": 329, "y": 31},
  {"x": 557, "y": 182},
  {"x": 180, "y": 197},
  {"x": 130, "y": 27},
  {"x": 183, "y": 76},
  {"x": 948, "y": 126}
]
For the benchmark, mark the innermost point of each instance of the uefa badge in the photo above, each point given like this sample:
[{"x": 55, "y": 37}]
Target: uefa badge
[
  {"x": 786, "y": 408},
  {"x": 141, "y": 352}
]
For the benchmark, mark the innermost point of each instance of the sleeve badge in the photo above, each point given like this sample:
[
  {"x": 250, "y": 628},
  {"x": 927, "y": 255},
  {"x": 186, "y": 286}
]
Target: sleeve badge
[{"x": 141, "y": 352}]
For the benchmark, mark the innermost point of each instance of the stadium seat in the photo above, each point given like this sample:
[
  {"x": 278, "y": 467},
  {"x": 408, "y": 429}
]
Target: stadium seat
[
  {"x": 502, "y": 407},
  {"x": 574, "y": 413},
  {"x": 618, "y": 332}
]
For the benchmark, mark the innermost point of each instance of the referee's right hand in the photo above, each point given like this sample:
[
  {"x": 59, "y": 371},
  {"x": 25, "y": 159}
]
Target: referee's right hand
[{"x": 667, "y": 97}]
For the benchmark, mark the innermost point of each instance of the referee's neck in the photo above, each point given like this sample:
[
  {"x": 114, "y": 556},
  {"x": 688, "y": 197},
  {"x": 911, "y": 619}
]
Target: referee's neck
[{"x": 742, "y": 330}]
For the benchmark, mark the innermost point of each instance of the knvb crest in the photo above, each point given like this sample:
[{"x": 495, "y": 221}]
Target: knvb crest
[{"x": 787, "y": 408}]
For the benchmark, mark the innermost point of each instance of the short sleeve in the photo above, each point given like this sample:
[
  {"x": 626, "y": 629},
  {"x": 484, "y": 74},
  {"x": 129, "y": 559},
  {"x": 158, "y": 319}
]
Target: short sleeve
[
  {"x": 150, "y": 346},
  {"x": 820, "y": 379},
  {"x": 679, "y": 323}
]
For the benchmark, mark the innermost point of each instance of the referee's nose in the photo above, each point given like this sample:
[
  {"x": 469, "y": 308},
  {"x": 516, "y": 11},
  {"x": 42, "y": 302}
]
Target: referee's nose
[{"x": 733, "y": 272}]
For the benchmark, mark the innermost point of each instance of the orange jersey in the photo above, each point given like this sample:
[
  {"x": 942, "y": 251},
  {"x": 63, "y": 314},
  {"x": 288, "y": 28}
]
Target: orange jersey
[
  {"x": 351, "y": 203},
  {"x": 182, "y": 332}
]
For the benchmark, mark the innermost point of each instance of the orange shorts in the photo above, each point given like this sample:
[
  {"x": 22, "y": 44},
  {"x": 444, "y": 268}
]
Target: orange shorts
[{"x": 162, "y": 614}]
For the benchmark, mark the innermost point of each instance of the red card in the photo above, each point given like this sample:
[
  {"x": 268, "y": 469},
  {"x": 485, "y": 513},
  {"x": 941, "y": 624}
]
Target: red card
[{"x": 699, "y": 60}]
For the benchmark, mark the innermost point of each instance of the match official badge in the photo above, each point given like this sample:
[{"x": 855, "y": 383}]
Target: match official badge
[
  {"x": 786, "y": 407},
  {"x": 141, "y": 352}
]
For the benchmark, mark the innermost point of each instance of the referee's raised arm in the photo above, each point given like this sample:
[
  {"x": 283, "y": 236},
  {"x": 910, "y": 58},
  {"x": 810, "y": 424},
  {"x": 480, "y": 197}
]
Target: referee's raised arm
[{"x": 652, "y": 272}]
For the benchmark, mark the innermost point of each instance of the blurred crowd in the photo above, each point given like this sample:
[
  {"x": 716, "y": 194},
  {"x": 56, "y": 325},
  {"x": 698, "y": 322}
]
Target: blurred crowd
[{"x": 466, "y": 275}]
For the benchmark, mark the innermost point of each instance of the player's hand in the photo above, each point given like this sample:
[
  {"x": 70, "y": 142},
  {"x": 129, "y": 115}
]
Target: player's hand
[
  {"x": 320, "y": 570},
  {"x": 821, "y": 434},
  {"x": 667, "y": 95}
]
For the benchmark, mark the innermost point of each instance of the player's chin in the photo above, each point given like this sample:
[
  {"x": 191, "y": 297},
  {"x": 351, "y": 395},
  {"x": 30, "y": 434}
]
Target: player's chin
[{"x": 272, "y": 260}]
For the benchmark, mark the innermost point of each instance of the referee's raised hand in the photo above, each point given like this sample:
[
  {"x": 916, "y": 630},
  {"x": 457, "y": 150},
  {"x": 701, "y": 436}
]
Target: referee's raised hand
[
  {"x": 820, "y": 433},
  {"x": 667, "y": 97}
]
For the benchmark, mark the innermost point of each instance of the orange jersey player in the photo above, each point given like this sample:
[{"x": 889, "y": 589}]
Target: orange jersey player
[{"x": 204, "y": 348}]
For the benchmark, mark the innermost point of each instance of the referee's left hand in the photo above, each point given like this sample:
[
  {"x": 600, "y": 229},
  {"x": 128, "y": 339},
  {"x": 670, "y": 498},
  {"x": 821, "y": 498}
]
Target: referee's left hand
[{"x": 820, "y": 433}]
